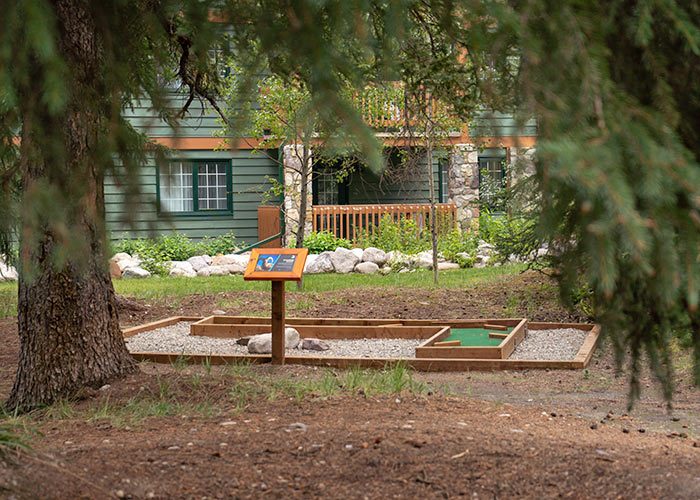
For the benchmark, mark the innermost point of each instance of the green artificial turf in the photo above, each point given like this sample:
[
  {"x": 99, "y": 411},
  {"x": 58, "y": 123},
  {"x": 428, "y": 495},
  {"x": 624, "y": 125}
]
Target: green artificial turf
[{"x": 475, "y": 336}]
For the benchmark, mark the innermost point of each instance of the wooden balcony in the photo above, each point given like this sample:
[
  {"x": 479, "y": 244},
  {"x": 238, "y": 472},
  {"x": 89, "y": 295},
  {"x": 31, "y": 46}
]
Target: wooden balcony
[{"x": 351, "y": 221}]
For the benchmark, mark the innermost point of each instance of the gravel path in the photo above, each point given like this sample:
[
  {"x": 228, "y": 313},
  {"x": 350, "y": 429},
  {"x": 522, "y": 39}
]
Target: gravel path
[
  {"x": 539, "y": 344},
  {"x": 560, "y": 343}
]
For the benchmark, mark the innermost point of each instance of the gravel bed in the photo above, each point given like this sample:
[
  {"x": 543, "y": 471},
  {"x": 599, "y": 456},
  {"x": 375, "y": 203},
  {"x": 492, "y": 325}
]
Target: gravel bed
[
  {"x": 176, "y": 339},
  {"x": 563, "y": 343},
  {"x": 559, "y": 343}
]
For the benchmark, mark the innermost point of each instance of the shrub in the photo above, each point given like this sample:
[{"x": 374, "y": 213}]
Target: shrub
[
  {"x": 511, "y": 235},
  {"x": 403, "y": 235},
  {"x": 454, "y": 242},
  {"x": 226, "y": 243},
  {"x": 323, "y": 241}
]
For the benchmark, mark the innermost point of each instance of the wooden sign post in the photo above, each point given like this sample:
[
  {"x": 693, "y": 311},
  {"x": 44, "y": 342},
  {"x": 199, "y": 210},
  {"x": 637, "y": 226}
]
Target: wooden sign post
[{"x": 277, "y": 265}]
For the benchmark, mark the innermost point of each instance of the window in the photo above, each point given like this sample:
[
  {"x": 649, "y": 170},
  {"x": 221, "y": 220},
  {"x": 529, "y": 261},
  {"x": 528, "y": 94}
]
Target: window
[
  {"x": 443, "y": 177},
  {"x": 195, "y": 187},
  {"x": 492, "y": 179}
]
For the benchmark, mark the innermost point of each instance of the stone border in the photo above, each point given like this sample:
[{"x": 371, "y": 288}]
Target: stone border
[{"x": 580, "y": 361}]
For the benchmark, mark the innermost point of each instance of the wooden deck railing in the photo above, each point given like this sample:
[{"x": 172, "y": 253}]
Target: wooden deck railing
[{"x": 351, "y": 221}]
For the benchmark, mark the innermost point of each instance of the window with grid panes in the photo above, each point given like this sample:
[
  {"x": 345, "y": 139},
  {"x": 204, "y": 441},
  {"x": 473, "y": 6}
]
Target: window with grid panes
[
  {"x": 195, "y": 187},
  {"x": 492, "y": 179}
]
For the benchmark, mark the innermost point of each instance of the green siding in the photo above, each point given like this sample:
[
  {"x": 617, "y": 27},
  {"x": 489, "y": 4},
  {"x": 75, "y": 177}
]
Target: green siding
[
  {"x": 364, "y": 187},
  {"x": 198, "y": 122},
  {"x": 489, "y": 124},
  {"x": 249, "y": 186}
]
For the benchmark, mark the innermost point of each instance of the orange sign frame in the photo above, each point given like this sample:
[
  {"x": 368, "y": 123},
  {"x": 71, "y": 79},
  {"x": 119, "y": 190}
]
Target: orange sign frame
[{"x": 276, "y": 264}]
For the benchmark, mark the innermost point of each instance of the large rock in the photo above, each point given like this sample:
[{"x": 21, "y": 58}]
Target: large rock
[
  {"x": 447, "y": 266},
  {"x": 114, "y": 272},
  {"x": 178, "y": 268},
  {"x": 135, "y": 272},
  {"x": 367, "y": 268},
  {"x": 127, "y": 263},
  {"x": 321, "y": 264},
  {"x": 358, "y": 252},
  {"x": 213, "y": 271},
  {"x": 235, "y": 263},
  {"x": 375, "y": 255},
  {"x": 120, "y": 256},
  {"x": 262, "y": 344},
  {"x": 344, "y": 260},
  {"x": 424, "y": 259},
  {"x": 314, "y": 345},
  {"x": 7, "y": 273},
  {"x": 199, "y": 262},
  {"x": 397, "y": 260}
]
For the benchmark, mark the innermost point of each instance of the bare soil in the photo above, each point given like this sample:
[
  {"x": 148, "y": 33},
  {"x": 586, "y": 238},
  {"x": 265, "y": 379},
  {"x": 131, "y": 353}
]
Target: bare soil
[{"x": 526, "y": 434}]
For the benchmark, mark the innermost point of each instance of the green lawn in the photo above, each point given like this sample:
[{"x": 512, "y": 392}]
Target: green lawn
[{"x": 160, "y": 288}]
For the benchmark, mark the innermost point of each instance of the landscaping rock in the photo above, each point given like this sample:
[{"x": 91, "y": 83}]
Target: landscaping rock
[
  {"x": 424, "y": 259},
  {"x": 114, "y": 272},
  {"x": 179, "y": 268},
  {"x": 447, "y": 266},
  {"x": 314, "y": 345},
  {"x": 127, "y": 263},
  {"x": 397, "y": 260},
  {"x": 243, "y": 340},
  {"x": 135, "y": 273},
  {"x": 358, "y": 252},
  {"x": 367, "y": 268},
  {"x": 344, "y": 260},
  {"x": 235, "y": 268},
  {"x": 320, "y": 264},
  {"x": 199, "y": 262},
  {"x": 309, "y": 260},
  {"x": 262, "y": 344},
  {"x": 238, "y": 263},
  {"x": 213, "y": 271},
  {"x": 120, "y": 256},
  {"x": 7, "y": 273},
  {"x": 375, "y": 255},
  {"x": 385, "y": 270}
]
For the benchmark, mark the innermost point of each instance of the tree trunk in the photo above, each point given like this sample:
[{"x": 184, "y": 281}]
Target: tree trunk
[
  {"x": 67, "y": 313},
  {"x": 431, "y": 184},
  {"x": 305, "y": 177}
]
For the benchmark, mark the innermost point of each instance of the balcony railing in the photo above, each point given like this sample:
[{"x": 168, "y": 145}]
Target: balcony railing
[{"x": 353, "y": 221}]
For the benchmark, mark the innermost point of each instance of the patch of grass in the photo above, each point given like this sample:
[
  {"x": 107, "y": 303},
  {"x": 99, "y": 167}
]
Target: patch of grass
[
  {"x": 12, "y": 440},
  {"x": 302, "y": 305},
  {"x": 8, "y": 300}
]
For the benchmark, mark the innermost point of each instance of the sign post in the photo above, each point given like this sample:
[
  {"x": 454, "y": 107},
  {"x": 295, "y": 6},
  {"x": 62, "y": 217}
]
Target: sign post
[{"x": 277, "y": 265}]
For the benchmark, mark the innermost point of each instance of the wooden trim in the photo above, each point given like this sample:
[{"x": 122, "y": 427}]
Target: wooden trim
[
  {"x": 500, "y": 328},
  {"x": 585, "y": 354},
  {"x": 251, "y": 273},
  {"x": 497, "y": 335},
  {"x": 130, "y": 332},
  {"x": 448, "y": 343},
  {"x": 317, "y": 331}
]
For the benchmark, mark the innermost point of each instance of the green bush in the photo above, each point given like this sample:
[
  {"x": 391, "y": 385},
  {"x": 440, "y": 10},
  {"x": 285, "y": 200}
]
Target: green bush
[
  {"x": 403, "y": 235},
  {"x": 226, "y": 243},
  {"x": 510, "y": 234},
  {"x": 454, "y": 242},
  {"x": 323, "y": 241}
]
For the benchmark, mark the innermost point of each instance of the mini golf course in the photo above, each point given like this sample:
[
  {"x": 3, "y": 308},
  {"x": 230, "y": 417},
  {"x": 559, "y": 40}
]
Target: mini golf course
[{"x": 447, "y": 345}]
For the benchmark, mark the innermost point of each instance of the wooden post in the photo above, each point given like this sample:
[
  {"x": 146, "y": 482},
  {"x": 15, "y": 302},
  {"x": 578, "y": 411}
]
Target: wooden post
[{"x": 278, "y": 323}]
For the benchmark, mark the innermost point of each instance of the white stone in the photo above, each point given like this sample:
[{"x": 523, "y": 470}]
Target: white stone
[
  {"x": 447, "y": 266},
  {"x": 367, "y": 268},
  {"x": 7, "y": 273},
  {"x": 424, "y": 259},
  {"x": 397, "y": 259},
  {"x": 262, "y": 344},
  {"x": 199, "y": 262},
  {"x": 120, "y": 256},
  {"x": 321, "y": 264},
  {"x": 358, "y": 252},
  {"x": 375, "y": 255},
  {"x": 127, "y": 263},
  {"x": 135, "y": 272},
  {"x": 236, "y": 268},
  {"x": 229, "y": 260},
  {"x": 344, "y": 260},
  {"x": 213, "y": 271},
  {"x": 311, "y": 258},
  {"x": 482, "y": 259},
  {"x": 182, "y": 269},
  {"x": 314, "y": 345}
]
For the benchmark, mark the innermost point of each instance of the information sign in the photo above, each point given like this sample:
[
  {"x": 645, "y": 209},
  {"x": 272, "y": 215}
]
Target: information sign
[{"x": 276, "y": 264}]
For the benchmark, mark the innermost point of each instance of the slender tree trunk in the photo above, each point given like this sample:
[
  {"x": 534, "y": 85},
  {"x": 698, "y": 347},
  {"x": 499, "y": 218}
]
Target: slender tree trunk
[
  {"x": 431, "y": 184},
  {"x": 67, "y": 314},
  {"x": 305, "y": 176}
]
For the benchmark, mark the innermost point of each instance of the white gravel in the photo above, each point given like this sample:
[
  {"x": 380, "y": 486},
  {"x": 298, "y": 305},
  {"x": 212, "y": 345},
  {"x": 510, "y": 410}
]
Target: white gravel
[
  {"x": 539, "y": 344},
  {"x": 559, "y": 343},
  {"x": 176, "y": 339}
]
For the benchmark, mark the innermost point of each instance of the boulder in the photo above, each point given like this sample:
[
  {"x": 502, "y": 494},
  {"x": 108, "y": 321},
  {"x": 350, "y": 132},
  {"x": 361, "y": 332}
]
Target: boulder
[
  {"x": 240, "y": 261},
  {"x": 114, "y": 272},
  {"x": 367, "y": 268},
  {"x": 7, "y": 273},
  {"x": 344, "y": 260},
  {"x": 135, "y": 272},
  {"x": 321, "y": 264},
  {"x": 358, "y": 252},
  {"x": 235, "y": 268},
  {"x": 199, "y": 262},
  {"x": 127, "y": 263},
  {"x": 120, "y": 256},
  {"x": 262, "y": 344},
  {"x": 213, "y": 271},
  {"x": 397, "y": 260},
  {"x": 374, "y": 255},
  {"x": 424, "y": 259},
  {"x": 309, "y": 260},
  {"x": 314, "y": 345},
  {"x": 182, "y": 269},
  {"x": 447, "y": 266}
]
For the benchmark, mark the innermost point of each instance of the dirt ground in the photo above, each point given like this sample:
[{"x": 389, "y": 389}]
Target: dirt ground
[{"x": 520, "y": 434}]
